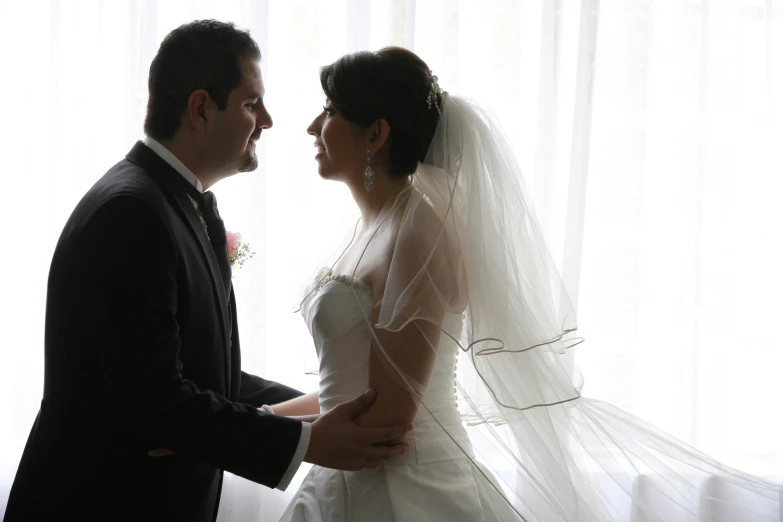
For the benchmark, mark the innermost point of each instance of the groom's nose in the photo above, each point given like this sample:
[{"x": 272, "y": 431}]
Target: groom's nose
[{"x": 264, "y": 119}]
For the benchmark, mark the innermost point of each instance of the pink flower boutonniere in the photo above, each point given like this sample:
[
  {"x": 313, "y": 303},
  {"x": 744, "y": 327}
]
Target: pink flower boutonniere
[{"x": 238, "y": 252}]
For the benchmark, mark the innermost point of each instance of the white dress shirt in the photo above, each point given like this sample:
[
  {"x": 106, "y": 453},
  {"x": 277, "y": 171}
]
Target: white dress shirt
[{"x": 304, "y": 438}]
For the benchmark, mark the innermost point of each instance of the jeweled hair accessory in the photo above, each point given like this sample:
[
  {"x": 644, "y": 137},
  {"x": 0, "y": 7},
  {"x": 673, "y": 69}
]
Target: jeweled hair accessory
[{"x": 434, "y": 94}]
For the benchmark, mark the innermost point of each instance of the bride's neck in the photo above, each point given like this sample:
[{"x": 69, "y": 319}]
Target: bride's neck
[{"x": 382, "y": 191}]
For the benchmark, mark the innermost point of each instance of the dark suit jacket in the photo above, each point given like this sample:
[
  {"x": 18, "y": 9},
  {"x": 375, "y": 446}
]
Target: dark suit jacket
[{"x": 142, "y": 352}]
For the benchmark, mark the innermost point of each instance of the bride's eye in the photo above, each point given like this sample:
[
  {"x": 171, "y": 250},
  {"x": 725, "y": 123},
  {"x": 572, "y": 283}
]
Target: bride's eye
[{"x": 329, "y": 110}]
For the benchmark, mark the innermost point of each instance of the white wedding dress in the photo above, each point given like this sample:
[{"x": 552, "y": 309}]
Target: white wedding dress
[
  {"x": 504, "y": 395},
  {"x": 433, "y": 480}
]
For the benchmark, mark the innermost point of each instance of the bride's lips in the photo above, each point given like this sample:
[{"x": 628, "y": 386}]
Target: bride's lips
[{"x": 321, "y": 150}]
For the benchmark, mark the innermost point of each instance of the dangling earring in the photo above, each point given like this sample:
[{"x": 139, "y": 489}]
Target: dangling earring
[{"x": 368, "y": 173}]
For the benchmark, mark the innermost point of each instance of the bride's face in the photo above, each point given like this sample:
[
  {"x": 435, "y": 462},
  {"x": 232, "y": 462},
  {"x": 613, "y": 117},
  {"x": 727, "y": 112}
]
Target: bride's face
[{"x": 340, "y": 146}]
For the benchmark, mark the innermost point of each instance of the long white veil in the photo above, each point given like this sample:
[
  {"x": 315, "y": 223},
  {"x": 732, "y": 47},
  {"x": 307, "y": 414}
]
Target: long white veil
[{"x": 471, "y": 261}]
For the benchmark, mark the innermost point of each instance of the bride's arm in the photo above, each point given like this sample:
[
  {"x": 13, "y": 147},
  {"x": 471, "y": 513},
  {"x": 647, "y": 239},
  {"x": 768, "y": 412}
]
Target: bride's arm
[
  {"x": 303, "y": 406},
  {"x": 401, "y": 361},
  {"x": 411, "y": 350}
]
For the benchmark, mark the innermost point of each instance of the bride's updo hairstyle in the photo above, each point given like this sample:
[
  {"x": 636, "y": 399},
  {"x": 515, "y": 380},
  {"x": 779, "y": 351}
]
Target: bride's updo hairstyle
[{"x": 391, "y": 84}]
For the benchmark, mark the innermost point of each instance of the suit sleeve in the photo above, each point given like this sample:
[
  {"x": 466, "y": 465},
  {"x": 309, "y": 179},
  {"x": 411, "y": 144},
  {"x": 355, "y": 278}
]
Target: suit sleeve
[
  {"x": 129, "y": 266},
  {"x": 257, "y": 391}
]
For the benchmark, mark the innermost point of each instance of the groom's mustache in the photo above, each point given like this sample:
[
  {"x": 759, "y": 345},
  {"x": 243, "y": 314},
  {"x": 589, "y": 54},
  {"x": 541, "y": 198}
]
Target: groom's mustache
[{"x": 256, "y": 135}]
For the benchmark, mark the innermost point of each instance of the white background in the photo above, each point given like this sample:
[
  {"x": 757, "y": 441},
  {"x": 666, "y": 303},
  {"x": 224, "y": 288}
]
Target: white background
[{"x": 649, "y": 132}]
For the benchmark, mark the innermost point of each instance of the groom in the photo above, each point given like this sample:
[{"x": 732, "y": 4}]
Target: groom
[{"x": 144, "y": 400}]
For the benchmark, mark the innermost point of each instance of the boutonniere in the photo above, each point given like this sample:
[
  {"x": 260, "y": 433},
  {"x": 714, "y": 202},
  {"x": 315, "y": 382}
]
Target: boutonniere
[{"x": 238, "y": 252}]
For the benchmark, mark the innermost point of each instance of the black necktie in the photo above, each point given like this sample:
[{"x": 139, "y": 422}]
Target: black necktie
[{"x": 217, "y": 236}]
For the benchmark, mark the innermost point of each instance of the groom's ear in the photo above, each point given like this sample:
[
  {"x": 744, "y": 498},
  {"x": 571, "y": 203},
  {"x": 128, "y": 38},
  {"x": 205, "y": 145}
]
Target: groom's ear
[
  {"x": 379, "y": 133},
  {"x": 198, "y": 103}
]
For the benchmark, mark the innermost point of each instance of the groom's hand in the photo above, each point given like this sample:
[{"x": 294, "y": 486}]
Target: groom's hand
[{"x": 337, "y": 442}]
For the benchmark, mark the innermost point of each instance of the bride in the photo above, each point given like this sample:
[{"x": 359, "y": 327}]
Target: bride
[{"x": 447, "y": 303}]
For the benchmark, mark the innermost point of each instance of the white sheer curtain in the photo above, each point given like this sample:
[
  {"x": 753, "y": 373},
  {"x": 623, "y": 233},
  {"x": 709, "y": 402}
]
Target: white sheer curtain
[
  {"x": 648, "y": 129},
  {"x": 681, "y": 288}
]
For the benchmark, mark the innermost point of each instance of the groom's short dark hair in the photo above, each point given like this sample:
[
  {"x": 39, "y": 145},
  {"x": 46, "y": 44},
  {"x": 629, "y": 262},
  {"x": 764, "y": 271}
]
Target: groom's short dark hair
[{"x": 204, "y": 54}]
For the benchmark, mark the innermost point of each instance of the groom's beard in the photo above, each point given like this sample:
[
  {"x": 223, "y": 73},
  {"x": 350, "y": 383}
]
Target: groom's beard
[
  {"x": 250, "y": 160},
  {"x": 249, "y": 163}
]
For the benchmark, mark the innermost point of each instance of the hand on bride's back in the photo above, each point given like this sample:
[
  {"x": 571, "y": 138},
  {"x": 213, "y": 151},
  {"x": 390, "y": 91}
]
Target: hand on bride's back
[{"x": 337, "y": 442}]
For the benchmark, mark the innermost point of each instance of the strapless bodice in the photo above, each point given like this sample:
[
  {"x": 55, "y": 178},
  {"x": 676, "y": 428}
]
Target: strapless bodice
[{"x": 338, "y": 313}]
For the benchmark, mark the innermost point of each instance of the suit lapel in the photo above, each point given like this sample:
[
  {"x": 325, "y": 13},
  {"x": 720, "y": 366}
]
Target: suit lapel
[{"x": 171, "y": 182}]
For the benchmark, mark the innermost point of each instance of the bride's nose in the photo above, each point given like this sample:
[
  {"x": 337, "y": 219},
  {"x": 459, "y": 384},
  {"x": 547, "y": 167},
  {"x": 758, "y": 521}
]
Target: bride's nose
[{"x": 314, "y": 129}]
